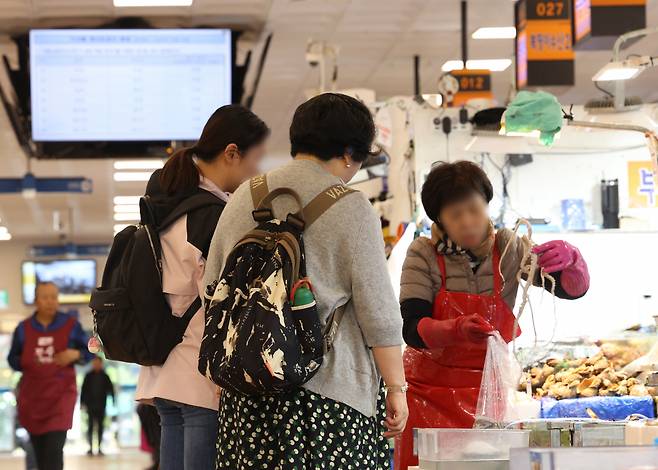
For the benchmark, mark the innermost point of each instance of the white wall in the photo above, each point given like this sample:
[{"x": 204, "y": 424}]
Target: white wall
[{"x": 622, "y": 270}]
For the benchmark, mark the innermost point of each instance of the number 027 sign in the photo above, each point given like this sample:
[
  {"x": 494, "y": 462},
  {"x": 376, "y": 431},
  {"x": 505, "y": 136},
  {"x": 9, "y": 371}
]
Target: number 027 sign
[{"x": 544, "y": 47}]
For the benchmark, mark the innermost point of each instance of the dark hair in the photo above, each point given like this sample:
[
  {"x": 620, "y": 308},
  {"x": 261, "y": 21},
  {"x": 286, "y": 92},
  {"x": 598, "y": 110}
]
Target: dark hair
[
  {"x": 452, "y": 182},
  {"x": 41, "y": 284},
  {"x": 230, "y": 124},
  {"x": 330, "y": 125}
]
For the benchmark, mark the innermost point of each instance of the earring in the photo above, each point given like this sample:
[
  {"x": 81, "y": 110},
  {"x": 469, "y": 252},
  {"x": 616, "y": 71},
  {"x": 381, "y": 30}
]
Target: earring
[{"x": 348, "y": 165}]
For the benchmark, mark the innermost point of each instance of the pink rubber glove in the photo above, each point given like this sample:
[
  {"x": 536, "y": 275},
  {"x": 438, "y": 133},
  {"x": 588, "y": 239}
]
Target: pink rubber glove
[
  {"x": 441, "y": 333},
  {"x": 558, "y": 255}
]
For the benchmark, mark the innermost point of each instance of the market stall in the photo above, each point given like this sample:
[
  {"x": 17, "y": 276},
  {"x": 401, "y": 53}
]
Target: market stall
[{"x": 589, "y": 367}]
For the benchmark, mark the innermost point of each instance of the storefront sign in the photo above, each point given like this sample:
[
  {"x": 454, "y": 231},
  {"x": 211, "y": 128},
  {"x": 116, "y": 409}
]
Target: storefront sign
[
  {"x": 642, "y": 190},
  {"x": 598, "y": 23},
  {"x": 544, "y": 43},
  {"x": 473, "y": 84}
]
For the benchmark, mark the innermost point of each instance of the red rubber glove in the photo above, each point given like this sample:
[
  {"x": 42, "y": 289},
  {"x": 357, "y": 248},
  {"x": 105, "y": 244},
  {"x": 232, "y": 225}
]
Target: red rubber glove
[
  {"x": 556, "y": 255},
  {"x": 441, "y": 333},
  {"x": 560, "y": 256},
  {"x": 474, "y": 328}
]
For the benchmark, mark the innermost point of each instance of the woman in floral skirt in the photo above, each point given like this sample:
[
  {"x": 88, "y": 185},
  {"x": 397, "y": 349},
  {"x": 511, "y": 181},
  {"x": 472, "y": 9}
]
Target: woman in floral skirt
[{"x": 343, "y": 416}]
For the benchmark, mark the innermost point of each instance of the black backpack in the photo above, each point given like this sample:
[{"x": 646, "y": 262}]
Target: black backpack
[
  {"x": 256, "y": 341},
  {"x": 131, "y": 314}
]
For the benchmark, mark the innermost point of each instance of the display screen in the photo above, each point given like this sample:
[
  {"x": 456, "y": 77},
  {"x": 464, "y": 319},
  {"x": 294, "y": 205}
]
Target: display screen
[
  {"x": 75, "y": 278},
  {"x": 582, "y": 18},
  {"x": 521, "y": 60},
  {"x": 127, "y": 85}
]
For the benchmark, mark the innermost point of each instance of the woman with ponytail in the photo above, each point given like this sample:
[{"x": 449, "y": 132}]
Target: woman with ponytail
[{"x": 228, "y": 153}]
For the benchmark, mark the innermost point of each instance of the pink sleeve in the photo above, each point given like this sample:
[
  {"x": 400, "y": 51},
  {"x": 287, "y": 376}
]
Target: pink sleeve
[{"x": 182, "y": 267}]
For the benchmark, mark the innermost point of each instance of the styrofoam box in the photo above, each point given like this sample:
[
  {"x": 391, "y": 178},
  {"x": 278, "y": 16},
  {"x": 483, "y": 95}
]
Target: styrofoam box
[
  {"x": 599, "y": 458},
  {"x": 436, "y": 445}
]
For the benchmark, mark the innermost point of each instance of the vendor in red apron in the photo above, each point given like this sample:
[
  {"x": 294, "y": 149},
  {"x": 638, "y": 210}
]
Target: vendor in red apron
[
  {"x": 45, "y": 348},
  {"x": 453, "y": 296}
]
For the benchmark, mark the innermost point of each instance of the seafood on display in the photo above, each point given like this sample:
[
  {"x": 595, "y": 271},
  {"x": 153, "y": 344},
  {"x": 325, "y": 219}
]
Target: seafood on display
[{"x": 598, "y": 375}]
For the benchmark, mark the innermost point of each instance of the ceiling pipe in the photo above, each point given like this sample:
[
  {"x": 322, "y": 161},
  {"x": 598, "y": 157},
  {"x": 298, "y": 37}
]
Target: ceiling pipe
[
  {"x": 416, "y": 75},
  {"x": 464, "y": 25}
]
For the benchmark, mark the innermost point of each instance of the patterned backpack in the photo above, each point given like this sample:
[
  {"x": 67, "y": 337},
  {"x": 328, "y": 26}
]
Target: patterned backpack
[{"x": 263, "y": 334}]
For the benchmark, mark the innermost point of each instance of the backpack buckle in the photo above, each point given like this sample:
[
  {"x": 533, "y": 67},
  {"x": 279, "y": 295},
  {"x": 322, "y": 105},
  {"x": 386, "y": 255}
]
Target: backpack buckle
[
  {"x": 296, "y": 221},
  {"x": 262, "y": 215}
]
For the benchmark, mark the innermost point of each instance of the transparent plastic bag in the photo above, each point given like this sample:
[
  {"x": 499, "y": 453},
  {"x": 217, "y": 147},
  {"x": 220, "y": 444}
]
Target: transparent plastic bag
[{"x": 498, "y": 402}]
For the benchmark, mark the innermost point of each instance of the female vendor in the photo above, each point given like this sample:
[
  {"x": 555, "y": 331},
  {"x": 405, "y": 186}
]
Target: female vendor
[{"x": 453, "y": 296}]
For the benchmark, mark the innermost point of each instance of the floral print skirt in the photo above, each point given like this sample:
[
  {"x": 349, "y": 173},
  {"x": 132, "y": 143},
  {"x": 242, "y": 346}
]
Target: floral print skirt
[{"x": 299, "y": 430}]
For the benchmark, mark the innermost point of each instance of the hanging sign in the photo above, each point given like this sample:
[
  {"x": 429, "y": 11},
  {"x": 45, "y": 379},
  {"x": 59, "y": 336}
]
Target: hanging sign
[
  {"x": 598, "y": 23},
  {"x": 70, "y": 250},
  {"x": 473, "y": 84},
  {"x": 642, "y": 190},
  {"x": 544, "y": 43}
]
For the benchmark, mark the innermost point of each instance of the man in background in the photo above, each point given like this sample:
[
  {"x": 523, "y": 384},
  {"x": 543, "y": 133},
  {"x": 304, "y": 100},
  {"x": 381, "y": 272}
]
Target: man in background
[
  {"x": 96, "y": 387},
  {"x": 45, "y": 348}
]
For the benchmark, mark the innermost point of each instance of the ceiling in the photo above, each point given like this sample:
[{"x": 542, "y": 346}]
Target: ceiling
[{"x": 377, "y": 40}]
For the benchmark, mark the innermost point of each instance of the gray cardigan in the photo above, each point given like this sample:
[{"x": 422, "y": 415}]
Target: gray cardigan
[{"x": 345, "y": 260}]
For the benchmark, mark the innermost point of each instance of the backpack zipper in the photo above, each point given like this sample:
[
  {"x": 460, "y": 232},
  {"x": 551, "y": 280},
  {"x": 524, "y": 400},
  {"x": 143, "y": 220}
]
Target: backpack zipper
[{"x": 156, "y": 259}]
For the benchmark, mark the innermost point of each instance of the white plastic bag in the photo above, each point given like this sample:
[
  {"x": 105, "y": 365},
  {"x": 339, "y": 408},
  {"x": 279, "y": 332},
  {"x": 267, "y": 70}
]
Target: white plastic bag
[{"x": 498, "y": 402}]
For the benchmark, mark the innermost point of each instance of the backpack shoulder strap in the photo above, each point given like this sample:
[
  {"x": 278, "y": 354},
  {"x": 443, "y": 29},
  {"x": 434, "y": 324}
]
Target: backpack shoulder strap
[
  {"x": 201, "y": 199},
  {"x": 259, "y": 189},
  {"x": 323, "y": 202}
]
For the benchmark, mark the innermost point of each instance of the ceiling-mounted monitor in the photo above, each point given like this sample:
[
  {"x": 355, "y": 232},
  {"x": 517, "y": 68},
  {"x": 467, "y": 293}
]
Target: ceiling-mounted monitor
[{"x": 122, "y": 85}]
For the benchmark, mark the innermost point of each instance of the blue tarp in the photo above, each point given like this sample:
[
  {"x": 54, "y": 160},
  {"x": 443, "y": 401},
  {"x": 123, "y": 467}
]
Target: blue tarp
[{"x": 607, "y": 408}]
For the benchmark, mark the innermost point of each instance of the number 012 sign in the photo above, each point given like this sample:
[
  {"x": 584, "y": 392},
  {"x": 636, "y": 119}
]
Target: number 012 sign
[
  {"x": 473, "y": 84},
  {"x": 544, "y": 44}
]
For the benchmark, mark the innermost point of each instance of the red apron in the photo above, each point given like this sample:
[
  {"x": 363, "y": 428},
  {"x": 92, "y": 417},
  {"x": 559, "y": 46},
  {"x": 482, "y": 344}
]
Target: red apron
[
  {"x": 444, "y": 383},
  {"x": 47, "y": 392}
]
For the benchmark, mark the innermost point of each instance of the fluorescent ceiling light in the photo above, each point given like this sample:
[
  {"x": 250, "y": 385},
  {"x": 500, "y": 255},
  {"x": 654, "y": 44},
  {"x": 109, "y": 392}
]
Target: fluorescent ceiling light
[
  {"x": 495, "y": 65},
  {"x": 3, "y": 230},
  {"x": 138, "y": 164},
  {"x": 152, "y": 3},
  {"x": 5, "y": 237},
  {"x": 617, "y": 71},
  {"x": 127, "y": 217},
  {"x": 126, "y": 208},
  {"x": 126, "y": 199},
  {"x": 505, "y": 32},
  {"x": 132, "y": 176},
  {"x": 451, "y": 65}
]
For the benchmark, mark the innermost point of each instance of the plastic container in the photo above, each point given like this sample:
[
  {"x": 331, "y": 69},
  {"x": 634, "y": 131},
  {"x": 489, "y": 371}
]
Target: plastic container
[
  {"x": 574, "y": 433},
  {"x": 469, "y": 445},
  {"x": 573, "y": 214},
  {"x": 641, "y": 433}
]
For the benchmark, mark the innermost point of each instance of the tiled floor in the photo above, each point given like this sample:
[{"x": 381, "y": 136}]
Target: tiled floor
[{"x": 131, "y": 459}]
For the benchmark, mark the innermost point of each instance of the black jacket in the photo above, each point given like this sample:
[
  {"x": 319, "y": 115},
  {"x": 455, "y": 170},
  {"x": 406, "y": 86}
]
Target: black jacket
[
  {"x": 201, "y": 222},
  {"x": 95, "y": 389}
]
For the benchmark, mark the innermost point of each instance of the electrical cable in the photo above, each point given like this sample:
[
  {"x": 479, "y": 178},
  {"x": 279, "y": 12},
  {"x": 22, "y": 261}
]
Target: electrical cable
[
  {"x": 506, "y": 175},
  {"x": 603, "y": 90}
]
